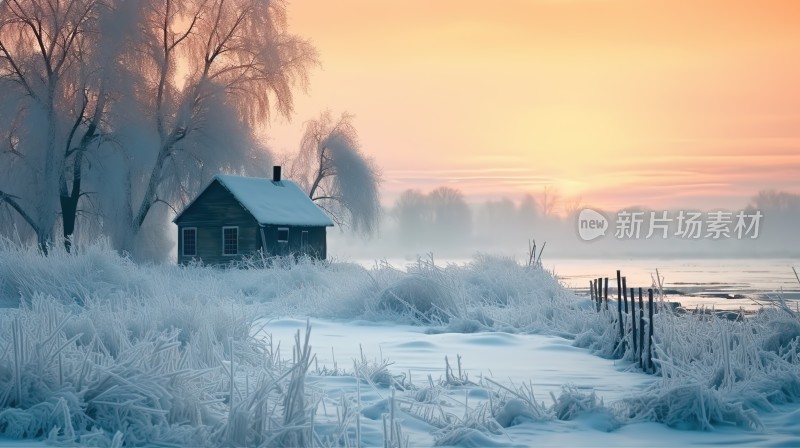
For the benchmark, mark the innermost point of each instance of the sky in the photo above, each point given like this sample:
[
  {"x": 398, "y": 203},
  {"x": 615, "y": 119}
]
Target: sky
[{"x": 655, "y": 103}]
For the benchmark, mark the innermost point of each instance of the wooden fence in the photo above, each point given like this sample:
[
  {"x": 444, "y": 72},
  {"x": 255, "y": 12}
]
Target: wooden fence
[{"x": 631, "y": 329}]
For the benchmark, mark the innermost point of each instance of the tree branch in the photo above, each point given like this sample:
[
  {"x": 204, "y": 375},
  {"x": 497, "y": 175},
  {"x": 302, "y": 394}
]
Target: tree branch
[
  {"x": 321, "y": 174},
  {"x": 163, "y": 75},
  {"x": 72, "y": 34},
  {"x": 336, "y": 219},
  {"x": 70, "y": 137},
  {"x": 322, "y": 198},
  {"x": 12, "y": 201},
  {"x": 157, "y": 200},
  {"x": 20, "y": 78}
]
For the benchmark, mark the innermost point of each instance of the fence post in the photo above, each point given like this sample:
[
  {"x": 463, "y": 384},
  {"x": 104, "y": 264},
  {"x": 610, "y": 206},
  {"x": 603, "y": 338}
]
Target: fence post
[
  {"x": 591, "y": 290},
  {"x": 625, "y": 293},
  {"x": 599, "y": 293},
  {"x": 650, "y": 328},
  {"x": 619, "y": 306},
  {"x": 633, "y": 326},
  {"x": 641, "y": 328},
  {"x": 605, "y": 294},
  {"x": 596, "y": 296}
]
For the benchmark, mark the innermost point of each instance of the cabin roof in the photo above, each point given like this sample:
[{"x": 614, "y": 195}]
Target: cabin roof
[{"x": 270, "y": 202}]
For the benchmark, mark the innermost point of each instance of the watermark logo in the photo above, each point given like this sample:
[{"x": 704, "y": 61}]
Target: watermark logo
[
  {"x": 634, "y": 225},
  {"x": 591, "y": 224}
]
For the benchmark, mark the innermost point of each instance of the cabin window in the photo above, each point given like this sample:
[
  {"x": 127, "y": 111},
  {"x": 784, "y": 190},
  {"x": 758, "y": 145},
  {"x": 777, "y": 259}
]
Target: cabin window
[
  {"x": 230, "y": 241},
  {"x": 190, "y": 241},
  {"x": 283, "y": 234}
]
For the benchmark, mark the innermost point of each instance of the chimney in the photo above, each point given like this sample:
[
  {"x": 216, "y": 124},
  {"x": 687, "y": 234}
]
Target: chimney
[{"x": 276, "y": 173}]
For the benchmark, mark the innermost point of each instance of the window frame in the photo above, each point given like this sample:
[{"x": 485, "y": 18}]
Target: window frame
[
  {"x": 224, "y": 228},
  {"x": 278, "y": 236},
  {"x": 183, "y": 242}
]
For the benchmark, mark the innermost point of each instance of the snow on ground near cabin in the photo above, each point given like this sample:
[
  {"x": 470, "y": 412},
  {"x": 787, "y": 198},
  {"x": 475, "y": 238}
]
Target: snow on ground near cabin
[
  {"x": 97, "y": 350},
  {"x": 547, "y": 362}
]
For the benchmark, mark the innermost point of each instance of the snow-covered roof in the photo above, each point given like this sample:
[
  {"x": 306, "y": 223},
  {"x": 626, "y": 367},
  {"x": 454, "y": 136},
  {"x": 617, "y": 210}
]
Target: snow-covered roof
[{"x": 274, "y": 203}]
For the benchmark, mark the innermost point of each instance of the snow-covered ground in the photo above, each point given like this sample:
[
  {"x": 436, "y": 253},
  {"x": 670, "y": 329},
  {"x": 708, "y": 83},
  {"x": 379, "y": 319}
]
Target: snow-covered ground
[
  {"x": 97, "y": 350},
  {"x": 547, "y": 363}
]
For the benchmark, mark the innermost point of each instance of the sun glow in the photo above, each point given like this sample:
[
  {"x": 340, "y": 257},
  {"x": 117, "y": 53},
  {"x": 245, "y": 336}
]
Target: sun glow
[{"x": 621, "y": 102}]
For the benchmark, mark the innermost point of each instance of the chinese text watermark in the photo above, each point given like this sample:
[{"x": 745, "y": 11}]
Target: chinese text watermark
[{"x": 714, "y": 225}]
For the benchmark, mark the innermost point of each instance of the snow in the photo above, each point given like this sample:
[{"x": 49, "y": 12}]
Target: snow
[
  {"x": 275, "y": 203},
  {"x": 548, "y": 362},
  {"x": 98, "y": 350}
]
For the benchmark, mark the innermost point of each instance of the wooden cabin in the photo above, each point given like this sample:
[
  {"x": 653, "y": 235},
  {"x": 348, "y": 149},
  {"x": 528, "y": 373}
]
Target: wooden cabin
[{"x": 235, "y": 216}]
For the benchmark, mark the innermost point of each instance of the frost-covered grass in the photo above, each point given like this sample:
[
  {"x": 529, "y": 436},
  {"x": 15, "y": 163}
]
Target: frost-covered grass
[{"x": 96, "y": 349}]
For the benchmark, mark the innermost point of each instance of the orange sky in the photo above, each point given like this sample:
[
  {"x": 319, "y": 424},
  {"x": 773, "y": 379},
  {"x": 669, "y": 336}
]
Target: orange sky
[{"x": 660, "y": 103}]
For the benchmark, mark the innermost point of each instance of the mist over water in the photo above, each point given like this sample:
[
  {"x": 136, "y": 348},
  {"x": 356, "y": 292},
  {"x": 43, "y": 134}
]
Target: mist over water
[
  {"x": 442, "y": 222},
  {"x": 728, "y": 271},
  {"x": 722, "y": 283}
]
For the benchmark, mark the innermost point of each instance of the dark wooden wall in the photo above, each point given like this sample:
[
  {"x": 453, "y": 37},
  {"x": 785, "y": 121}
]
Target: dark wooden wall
[
  {"x": 316, "y": 241},
  {"x": 216, "y": 208}
]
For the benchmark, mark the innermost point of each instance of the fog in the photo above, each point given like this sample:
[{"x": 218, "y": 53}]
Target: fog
[{"x": 444, "y": 224}]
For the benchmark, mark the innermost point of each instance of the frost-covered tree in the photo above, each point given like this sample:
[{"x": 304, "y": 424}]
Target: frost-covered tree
[
  {"x": 113, "y": 106},
  {"x": 209, "y": 72},
  {"x": 53, "y": 103},
  {"x": 334, "y": 172}
]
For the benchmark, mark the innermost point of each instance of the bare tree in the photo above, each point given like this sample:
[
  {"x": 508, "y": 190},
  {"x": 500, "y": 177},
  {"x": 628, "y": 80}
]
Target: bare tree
[
  {"x": 45, "y": 74},
  {"x": 573, "y": 205},
  {"x": 337, "y": 175},
  {"x": 548, "y": 201}
]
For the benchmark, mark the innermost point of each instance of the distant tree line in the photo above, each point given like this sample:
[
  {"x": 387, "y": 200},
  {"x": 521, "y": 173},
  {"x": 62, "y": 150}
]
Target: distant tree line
[
  {"x": 443, "y": 222},
  {"x": 442, "y": 218}
]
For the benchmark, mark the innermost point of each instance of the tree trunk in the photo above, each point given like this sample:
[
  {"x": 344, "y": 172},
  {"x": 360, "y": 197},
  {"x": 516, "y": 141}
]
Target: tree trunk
[
  {"x": 69, "y": 211},
  {"x": 69, "y": 202},
  {"x": 46, "y": 215},
  {"x": 149, "y": 194}
]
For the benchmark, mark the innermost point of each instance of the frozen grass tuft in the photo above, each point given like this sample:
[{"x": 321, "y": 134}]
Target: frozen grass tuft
[
  {"x": 572, "y": 402},
  {"x": 691, "y": 406}
]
